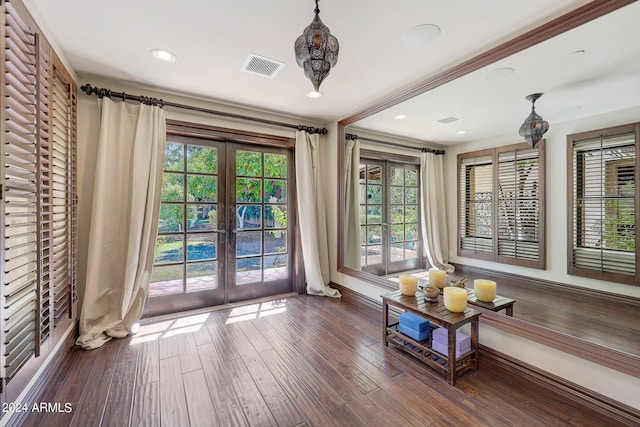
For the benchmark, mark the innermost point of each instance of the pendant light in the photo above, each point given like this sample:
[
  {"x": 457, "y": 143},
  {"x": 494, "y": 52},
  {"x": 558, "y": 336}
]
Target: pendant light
[
  {"x": 534, "y": 126},
  {"x": 316, "y": 51}
]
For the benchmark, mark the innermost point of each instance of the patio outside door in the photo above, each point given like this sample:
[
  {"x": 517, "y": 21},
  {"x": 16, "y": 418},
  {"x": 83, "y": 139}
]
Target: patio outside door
[{"x": 223, "y": 234}]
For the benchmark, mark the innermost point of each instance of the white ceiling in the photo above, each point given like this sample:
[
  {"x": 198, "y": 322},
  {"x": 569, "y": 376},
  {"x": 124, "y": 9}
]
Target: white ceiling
[
  {"x": 590, "y": 70},
  {"x": 212, "y": 39}
]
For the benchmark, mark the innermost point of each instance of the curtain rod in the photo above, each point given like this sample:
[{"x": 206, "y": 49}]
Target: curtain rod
[
  {"x": 395, "y": 144},
  {"x": 102, "y": 92}
]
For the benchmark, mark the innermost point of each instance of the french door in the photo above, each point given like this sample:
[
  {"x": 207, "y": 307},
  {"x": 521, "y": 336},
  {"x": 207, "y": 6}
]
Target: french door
[
  {"x": 223, "y": 232},
  {"x": 389, "y": 217}
]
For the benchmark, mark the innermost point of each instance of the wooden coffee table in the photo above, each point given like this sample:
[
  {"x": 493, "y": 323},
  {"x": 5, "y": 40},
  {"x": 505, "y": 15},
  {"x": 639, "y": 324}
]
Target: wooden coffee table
[{"x": 449, "y": 366}]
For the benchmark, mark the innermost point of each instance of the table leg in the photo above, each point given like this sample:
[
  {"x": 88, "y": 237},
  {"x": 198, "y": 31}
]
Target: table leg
[
  {"x": 385, "y": 322},
  {"x": 509, "y": 310},
  {"x": 474, "y": 343},
  {"x": 451, "y": 355}
]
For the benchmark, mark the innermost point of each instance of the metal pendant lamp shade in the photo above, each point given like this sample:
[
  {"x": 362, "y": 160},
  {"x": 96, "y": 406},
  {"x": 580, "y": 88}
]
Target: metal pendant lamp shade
[
  {"x": 316, "y": 51},
  {"x": 534, "y": 126}
]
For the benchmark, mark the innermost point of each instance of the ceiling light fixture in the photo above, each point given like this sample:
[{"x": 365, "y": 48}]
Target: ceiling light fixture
[
  {"x": 534, "y": 126},
  {"x": 316, "y": 50},
  {"x": 314, "y": 94},
  {"x": 163, "y": 55},
  {"x": 400, "y": 116},
  {"x": 421, "y": 35}
]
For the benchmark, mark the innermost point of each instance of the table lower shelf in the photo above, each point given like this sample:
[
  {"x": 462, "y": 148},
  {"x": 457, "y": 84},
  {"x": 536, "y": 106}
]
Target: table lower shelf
[{"x": 422, "y": 350}]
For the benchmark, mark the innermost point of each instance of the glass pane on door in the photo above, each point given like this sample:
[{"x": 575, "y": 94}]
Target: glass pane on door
[
  {"x": 186, "y": 270},
  {"x": 260, "y": 239}
]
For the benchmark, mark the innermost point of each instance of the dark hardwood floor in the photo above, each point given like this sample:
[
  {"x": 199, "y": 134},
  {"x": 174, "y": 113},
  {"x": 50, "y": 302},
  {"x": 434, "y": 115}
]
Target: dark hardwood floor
[{"x": 299, "y": 361}]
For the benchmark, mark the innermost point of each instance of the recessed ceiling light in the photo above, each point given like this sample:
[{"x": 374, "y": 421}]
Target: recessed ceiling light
[
  {"x": 420, "y": 35},
  {"x": 314, "y": 94},
  {"x": 163, "y": 55},
  {"x": 499, "y": 73},
  {"x": 400, "y": 116},
  {"x": 461, "y": 132}
]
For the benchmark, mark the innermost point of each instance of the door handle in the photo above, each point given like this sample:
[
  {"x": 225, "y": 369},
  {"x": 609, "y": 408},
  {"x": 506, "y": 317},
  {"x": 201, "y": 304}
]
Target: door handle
[{"x": 222, "y": 232}]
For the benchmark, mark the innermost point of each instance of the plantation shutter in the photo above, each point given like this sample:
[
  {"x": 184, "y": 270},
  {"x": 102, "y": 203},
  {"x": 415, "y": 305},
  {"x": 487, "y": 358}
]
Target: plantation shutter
[
  {"x": 519, "y": 201},
  {"x": 604, "y": 201},
  {"x": 501, "y": 200},
  {"x": 38, "y": 213},
  {"x": 19, "y": 209},
  {"x": 476, "y": 205}
]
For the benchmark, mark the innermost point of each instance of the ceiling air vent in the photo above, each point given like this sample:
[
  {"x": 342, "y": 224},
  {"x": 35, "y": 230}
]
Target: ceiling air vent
[
  {"x": 448, "y": 120},
  {"x": 256, "y": 64}
]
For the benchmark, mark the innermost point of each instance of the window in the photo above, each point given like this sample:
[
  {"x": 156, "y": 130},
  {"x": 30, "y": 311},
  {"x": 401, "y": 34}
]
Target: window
[
  {"x": 389, "y": 216},
  {"x": 603, "y": 197},
  {"x": 500, "y": 212}
]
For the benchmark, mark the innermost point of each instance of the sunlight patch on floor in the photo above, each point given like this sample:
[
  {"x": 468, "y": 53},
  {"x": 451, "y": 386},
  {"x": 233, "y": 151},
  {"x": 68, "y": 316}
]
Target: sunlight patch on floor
[
  {"x": 152, "y": 329},
  {"x": 169, "y": 328},
  {"x": 254, "y": 311}
]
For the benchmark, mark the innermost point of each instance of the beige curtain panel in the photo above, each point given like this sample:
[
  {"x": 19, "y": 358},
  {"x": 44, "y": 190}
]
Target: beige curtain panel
[
  {"x": 124, "y": 220},
  {"x": 433, "y": 215},
  {"x": 352, "y": 257},
  {"x": 313, "y": 224}
]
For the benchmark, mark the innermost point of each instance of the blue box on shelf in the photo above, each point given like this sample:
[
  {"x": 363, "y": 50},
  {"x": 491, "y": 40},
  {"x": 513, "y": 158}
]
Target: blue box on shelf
[
  {"x": 413, "y": 333},
  {"x": 414, "y": 321}
]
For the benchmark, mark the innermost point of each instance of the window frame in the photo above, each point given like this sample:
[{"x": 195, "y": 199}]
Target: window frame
[
  {"x": 494, "y": 254},
  {"x": 572, "y": 212}
]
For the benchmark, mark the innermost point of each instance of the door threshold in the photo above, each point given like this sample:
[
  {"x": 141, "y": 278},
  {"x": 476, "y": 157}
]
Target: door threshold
[{"x": 148, "y": 320}]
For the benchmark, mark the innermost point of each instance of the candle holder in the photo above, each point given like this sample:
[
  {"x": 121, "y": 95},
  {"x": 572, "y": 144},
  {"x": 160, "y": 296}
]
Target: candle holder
[
  {"x": 408, "y": 284},
  {"x": 485, "y": 290},
  {"x": 455, "y": 299},
  {"x": 437, "y": 278}
]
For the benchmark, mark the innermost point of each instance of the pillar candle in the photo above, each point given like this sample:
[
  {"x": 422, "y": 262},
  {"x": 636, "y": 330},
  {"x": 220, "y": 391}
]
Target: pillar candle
[
  {"x": 485, "y": 290},
  {"x": 455, "y": 299},
  {"x": 437, "y": 278},
  {"x": 408, "y": 284}
]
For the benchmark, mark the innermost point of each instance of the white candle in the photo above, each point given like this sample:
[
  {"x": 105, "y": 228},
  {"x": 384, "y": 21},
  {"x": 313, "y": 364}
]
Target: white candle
[
  {"x": 408, "y": 284},
  {"x": 455, "y": 299},
  {"x": 485, "y": 290},
  {"x": 437, "y": 278}
]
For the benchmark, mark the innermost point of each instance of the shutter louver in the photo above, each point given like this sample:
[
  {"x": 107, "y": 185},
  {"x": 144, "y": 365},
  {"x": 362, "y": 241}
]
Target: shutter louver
[
  {"x": 20, "y": 195},
  {"x": 604, "y": 190},
  {"x": 518, "y": 204}
]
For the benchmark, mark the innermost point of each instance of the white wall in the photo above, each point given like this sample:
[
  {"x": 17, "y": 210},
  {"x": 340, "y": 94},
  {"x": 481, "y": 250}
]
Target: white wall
[{"x": 607, "y": 382}]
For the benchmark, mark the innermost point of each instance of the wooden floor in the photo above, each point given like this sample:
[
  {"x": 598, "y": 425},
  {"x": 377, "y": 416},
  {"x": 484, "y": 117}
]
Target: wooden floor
[{"x": 300, "y": 361}]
